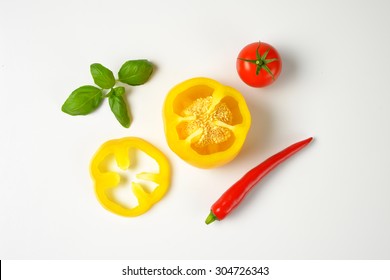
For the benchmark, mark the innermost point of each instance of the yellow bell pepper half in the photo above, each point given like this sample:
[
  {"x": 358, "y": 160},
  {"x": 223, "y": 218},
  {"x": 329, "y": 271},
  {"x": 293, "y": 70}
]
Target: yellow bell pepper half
[
  {"x": 105, "y": 180},
  {"x": 205, "y": 122}
]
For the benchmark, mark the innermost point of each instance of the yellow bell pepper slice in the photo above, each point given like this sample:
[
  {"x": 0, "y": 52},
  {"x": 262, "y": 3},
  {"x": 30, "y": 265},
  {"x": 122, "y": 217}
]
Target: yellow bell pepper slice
[
  {"x": 105, "y": 180},
  {"x": 205, "y": 122}
]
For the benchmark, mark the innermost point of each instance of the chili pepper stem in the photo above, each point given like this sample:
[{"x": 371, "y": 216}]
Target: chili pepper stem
[{"x": 210, "y": 218}]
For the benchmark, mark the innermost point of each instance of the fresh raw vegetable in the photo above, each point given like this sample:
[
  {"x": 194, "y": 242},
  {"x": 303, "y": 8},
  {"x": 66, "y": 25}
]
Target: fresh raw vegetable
[
  {"x": 87, "y": 99},
  {"x": 105, "y": 180},
  {"x": 205, "y": 122},
  {"x": 236, "y": 193},
  {"x": 259, "y": 64}
]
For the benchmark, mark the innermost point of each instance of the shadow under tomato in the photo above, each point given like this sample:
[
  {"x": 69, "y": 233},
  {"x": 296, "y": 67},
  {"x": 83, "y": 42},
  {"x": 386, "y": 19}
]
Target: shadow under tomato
[{"x": 290, "y": 69}]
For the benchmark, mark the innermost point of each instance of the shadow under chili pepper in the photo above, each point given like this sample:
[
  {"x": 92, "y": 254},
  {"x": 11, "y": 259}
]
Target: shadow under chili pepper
[
  {"x": 254, "y": 198},
  {"x": 237, "y": 192}
]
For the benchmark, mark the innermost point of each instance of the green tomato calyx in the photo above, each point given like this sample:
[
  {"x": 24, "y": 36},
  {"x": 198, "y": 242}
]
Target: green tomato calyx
[{"x": 261, "y": 61}]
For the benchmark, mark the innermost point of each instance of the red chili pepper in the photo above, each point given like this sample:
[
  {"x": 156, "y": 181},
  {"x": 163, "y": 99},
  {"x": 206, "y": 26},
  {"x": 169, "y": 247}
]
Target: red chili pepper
[{"x": 236, "y": 193}]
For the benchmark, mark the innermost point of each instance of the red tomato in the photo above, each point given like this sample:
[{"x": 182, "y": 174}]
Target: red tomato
[{"x": 259, "y": 64}]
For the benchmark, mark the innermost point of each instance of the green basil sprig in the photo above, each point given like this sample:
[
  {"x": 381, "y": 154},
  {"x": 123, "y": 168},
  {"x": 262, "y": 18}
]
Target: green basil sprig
[{"x": 86, "y": 99}]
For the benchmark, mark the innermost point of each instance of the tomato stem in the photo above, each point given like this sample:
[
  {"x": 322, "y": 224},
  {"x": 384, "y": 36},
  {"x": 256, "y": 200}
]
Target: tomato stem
[{"x": 261, "y": 61}]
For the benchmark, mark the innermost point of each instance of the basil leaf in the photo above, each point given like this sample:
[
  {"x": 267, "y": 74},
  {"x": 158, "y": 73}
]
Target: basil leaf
[
  {"x": 135, "y": 72},
  {"x": 119, "y": 108},
  {"x": 119, "y": 91},
  {"x": 102, "y": 76},
  {"x": 83, "y": 101}
]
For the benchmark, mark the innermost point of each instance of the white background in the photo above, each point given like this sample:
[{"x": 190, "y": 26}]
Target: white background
[{"x": 331, "y": 201}]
